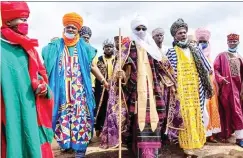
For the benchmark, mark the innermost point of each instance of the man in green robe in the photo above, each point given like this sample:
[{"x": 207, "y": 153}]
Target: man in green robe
[{"x": 26, "y": 102}]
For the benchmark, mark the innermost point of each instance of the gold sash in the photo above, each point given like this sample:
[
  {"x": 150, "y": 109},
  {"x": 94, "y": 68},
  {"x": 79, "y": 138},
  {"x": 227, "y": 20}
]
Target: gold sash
[{"x": 144, "y": 78}]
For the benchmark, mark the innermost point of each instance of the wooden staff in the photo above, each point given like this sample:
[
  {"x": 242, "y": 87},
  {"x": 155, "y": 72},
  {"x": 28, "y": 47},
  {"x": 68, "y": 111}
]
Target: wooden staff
[
  {"x": 101, "y": 101},
  {"x": 120, "y": 99}
]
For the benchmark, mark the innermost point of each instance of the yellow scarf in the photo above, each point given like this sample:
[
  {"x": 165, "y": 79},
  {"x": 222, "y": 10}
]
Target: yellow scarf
[
  {"x": 109, "y": 65},
  {"x": 144, "y": 76}
]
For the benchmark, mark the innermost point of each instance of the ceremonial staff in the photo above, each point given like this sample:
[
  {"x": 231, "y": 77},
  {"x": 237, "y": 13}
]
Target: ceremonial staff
[{"x": 120, "y": 103}]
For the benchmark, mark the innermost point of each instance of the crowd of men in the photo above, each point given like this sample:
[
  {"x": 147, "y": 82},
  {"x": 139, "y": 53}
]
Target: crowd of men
[{"x": 169, "y": 96}]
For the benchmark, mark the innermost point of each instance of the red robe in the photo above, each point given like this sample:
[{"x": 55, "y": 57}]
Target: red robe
[{"x": 230, "y": 104}]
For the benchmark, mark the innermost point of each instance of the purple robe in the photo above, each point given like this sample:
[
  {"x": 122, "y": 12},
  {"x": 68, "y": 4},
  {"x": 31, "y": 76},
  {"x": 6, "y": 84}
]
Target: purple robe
[
  {"x": 166, "y": 104},
  {"x": 230, "y": 104}
]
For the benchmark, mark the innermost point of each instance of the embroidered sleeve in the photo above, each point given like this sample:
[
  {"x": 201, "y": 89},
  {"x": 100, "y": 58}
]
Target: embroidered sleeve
[{"x": 217, "y": 70}]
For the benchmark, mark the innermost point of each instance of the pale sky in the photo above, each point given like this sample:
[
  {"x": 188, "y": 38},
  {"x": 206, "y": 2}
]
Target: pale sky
[{"x": 105, "y": 18}]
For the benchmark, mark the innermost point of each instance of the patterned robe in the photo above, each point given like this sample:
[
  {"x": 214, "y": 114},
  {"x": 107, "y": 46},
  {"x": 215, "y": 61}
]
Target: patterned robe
[
  {"x": 144, "y": 142},
  {"x": 69, "y": 74}
]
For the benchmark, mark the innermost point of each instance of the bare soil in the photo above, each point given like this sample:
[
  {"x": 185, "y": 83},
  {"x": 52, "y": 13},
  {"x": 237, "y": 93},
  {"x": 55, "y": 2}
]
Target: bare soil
[{"x": 210, "y": 150}]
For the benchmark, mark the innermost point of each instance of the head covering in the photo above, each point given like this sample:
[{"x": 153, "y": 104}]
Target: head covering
[
  {"x": 202, "y": 33},
  {"x": 85, "y": 30},
  {"x": 191, "y": 38},
  {"x": 72, "y": 18},
  {"x": 147, "y": 42},
  {"x": 158, "y": 31},
  {"x": 117, "y": 38},
  {"x": 179, "y": 23},
  {"x": 13, "y": 10},
  {"x": 125, "y": 40},
  {"x": 233, "y": 36},
  {"x": 108, "y": 42},
  {"x": 139, "y": 20}
]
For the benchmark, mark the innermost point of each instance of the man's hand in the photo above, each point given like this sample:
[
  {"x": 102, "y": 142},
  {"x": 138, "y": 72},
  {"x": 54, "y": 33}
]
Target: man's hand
[
  {"x": 225, "y": 80},
  {"x": 41, "y": 90},
  {"x": 121, "y": 74},
  {"x": 106, "y": 85}
]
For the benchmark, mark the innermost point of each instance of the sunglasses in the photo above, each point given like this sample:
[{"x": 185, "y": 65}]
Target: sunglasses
[
  {"x": 202, "y": 42},
  {"x": 139, "y": 28}
]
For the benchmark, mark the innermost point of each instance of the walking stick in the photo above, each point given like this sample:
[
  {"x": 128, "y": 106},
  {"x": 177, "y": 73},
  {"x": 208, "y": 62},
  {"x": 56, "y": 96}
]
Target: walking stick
[
  {"x": 101, "y": 101},
  {"x": 120, "y": 103}
]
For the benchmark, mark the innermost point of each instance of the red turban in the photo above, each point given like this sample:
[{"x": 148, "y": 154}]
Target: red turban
[
  {"x": 13, "y": 10},
  {"x": 232, "y": 37},
  {"x": 73, "y": 18}
]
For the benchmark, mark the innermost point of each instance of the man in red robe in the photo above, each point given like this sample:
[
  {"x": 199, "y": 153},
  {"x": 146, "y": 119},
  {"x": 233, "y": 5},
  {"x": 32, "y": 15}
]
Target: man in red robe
[
  {"x": 26, "y": 99},
  {"x": 229, "y": 76}
]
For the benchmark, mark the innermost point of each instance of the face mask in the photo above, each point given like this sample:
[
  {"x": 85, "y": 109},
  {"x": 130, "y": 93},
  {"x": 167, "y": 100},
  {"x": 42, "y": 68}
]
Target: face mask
[
  {"x": 23, "y": 28},
  {"x": 183, "y": 42},
  {"x": 203, "y": 45},
  {"x": 69, "y": 35},
  {"x": 141, "y": 34},
  {"x": 233, "y": 50}
]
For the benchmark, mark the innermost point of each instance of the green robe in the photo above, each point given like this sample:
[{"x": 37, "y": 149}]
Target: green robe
[{"x": 23, "y": 135}]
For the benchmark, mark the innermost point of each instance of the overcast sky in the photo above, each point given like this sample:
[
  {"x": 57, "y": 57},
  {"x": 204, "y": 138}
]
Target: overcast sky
[{"x": 105, "y": 18}]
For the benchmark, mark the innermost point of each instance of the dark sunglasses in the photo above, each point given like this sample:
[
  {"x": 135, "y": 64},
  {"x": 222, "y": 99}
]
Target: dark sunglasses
[
  {"x": 138, "y": 29},
  {"x": 202, "y": 41}
]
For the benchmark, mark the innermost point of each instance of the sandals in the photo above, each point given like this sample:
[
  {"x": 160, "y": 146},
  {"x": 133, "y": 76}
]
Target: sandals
[
  {"x": 211, "y": 140},
  {"x": 239, "y": 142},
  {"x": 223, "y": 140}
]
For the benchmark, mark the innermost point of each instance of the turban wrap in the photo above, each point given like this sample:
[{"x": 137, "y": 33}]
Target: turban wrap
[
  {"x": 117, "y": 38},
  {"x": 202, "y": 33},
  {"x": 108, "y": 42},
  {"x": 74, "y": 19},
  {"x": 13, "y": 10},
  {"x": 191, "y": 38},
  {"x": 177, "y": 25},
  {"x": 158, "y": 31},
  {"x": 147, "y": 43},
  {"x": 233, "y": 37},
  {"x": 139, "y": 20},
  {"x": 85, "y": 30}
]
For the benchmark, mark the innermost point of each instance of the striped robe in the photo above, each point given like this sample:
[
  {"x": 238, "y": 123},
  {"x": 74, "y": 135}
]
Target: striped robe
[{"x": 171, "y": 54}]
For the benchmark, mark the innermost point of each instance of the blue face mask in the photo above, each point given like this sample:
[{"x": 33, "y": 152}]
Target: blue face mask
[
  {"x": 203, "y": 45},
  {"x": 69, "y": 35},
  {"x": 233, "y": 50}
]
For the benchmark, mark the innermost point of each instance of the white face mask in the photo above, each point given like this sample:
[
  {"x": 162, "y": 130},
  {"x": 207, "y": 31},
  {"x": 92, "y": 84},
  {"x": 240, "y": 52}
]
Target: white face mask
[
  {"x": 141, "y": 34},
  {"x": 69, "y": 35},
  {"x": 183, "y": 42},
  {"x": 233, "y": 50}
]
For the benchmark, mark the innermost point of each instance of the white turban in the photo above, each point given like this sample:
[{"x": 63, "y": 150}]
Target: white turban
[
  {"x": 158, "y": 31},
  {"x": 147, "y": 42},
  {"x": 139, "y": 20}
]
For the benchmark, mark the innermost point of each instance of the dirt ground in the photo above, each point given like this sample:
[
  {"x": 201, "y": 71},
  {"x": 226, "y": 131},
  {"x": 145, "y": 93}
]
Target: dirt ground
[{"x": 210, "y": 150}]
